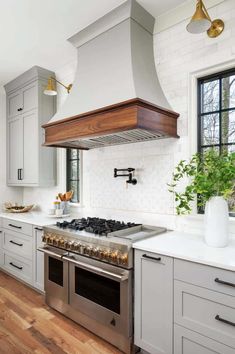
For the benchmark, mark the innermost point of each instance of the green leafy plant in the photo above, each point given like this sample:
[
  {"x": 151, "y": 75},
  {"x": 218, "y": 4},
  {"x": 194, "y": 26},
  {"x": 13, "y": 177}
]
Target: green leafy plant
[{"x": 211, "y": 174}]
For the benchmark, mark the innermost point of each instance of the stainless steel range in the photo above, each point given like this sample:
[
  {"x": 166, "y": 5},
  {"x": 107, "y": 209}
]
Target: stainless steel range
[{"x": 89, "y": 274}]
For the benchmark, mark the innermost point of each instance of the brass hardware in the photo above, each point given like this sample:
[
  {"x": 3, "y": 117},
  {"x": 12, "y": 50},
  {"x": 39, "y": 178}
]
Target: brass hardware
[
  {"x": 50, "y": 90},
  {"x": 217, "y": 27},
  {"x": 201, "y": 22}
]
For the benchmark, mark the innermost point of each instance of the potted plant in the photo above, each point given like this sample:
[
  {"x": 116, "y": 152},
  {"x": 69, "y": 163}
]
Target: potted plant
[{"x": 211, "y": 182}]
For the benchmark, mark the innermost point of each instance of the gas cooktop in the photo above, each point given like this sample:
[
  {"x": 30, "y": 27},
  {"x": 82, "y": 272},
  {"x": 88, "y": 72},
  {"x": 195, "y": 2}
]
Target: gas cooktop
[
  {"x": 97, "y": 226},
  {"x": 107, "y": 240}
]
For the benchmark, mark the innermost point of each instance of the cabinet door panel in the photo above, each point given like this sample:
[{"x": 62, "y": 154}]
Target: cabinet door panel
[
  {"x": 30, "y": 97},
  {"x": 17, "y": 244},
  {"x": 30, "y": 147},
  {"x": 14, "y": 104},
  {"x": 197, "y": 308},
  {"x": 15, "y": 150},
  {"x": 1, "y": 251},
  {"x": 189, "y": 342},
  {"x": 39, "y": 259},
  {"x": 153, "y": 302}
]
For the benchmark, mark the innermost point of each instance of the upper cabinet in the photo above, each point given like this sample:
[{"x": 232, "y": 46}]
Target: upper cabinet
[
  {"x": 29, "y": 164},
  {"x": 22, "y": 100}
]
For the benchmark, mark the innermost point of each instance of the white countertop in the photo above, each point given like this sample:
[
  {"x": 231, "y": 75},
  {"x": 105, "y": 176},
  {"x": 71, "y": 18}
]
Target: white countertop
[
  {"x": 33, "y": 217},
  {"x": 191, "y": 248}
]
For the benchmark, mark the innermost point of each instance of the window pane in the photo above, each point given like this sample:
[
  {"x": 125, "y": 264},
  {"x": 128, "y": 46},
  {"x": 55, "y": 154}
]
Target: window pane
[
  {"x": 210, "y": 96},
  {"x": 228, "y": 92},
  {"x": 204, "y": 150},
  {"x": 74, "y": 188},
  {"x": 73, "y": 154},
  {"x": 74, "y": 170},
  {"x": 210, "y": 129},
  {"x": 228, "y": 149},
  {"x": 73, "y": 173},
  {"x": 228, "y": 127}
]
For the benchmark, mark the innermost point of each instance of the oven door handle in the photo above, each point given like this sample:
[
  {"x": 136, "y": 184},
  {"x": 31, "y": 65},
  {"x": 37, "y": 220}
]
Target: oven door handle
[
  {"x": 51, "y": 253},
  {"x": 99, "y": 271}
]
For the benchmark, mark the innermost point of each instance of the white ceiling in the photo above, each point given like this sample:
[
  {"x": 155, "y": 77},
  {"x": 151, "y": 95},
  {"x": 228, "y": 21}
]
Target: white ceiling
[{"x": 34, "y": 32}]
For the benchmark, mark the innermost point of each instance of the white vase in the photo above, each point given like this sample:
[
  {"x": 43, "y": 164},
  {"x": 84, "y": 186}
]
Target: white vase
[{"x": 216, "y": 222}]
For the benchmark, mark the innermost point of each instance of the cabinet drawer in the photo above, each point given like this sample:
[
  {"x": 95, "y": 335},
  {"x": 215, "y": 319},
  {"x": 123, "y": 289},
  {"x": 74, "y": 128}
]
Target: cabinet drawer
[
  {"x": 18, "y": 243},
  {"x": 208, "y": 277},
  {"x": 208, "y": 312},
  {"x": 21, "y": 268},
  {"x": 189, "y": 342},
  {"x": 18, "y": 226}
]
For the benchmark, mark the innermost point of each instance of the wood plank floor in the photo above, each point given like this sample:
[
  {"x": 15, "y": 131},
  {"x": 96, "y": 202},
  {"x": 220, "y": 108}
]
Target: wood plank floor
[{"x": 28, "y": 325}]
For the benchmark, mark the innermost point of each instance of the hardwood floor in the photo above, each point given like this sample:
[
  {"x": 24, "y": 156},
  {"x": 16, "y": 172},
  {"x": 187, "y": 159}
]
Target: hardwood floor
[{"x": 28, "y": 325}]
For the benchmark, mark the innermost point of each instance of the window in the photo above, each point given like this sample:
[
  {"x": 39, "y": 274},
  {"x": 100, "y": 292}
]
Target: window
[
  {"x": 216, "y": 116},
  {"x": 216, "y": 112},
  {"x": 73, "y": 173}
]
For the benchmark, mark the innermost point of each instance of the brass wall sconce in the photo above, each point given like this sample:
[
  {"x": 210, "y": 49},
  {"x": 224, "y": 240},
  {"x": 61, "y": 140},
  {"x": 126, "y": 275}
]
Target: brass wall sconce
[
  {"x": 50, "y": 89},
  {"x": 202, "y": 22}
]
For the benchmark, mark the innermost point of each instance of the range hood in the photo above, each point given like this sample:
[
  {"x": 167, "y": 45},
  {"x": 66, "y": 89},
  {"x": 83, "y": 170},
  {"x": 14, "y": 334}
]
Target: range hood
[{"x": 116, "y": 96}]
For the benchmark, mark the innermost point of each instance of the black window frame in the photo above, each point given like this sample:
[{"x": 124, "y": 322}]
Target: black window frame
[
  {"x": 69, "y": 159},
  {"x": 216, "y": 76}
]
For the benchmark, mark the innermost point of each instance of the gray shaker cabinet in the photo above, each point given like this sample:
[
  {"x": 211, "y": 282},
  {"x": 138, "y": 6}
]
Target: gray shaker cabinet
[
  {"x": 28, "y": 162},
  {"x": 22, "y": 100},
  {"x": 154, "y": 302}
]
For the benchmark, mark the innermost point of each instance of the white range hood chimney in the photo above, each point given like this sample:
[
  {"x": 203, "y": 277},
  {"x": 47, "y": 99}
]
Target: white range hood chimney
[{"x": 115, "y": 64}]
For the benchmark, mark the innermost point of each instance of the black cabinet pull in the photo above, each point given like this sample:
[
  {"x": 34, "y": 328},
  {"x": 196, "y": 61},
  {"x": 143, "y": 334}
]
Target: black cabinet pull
[
  {"x": 218, "y": 318},
  {"x": 17, "y": 244},
  {"x": 13, "y": 265},
  {"x": 16, "y": 227},
  {"x": 19, "y": 174},
  {"x": 21, "y": 178},
  {"x": 153, "y": 258},
  {"x": 38, "y": 229},
  {"x": 20, "y": 109},
  {"x": 217, "y": 280},
  {"x": 0, "y": 231}
]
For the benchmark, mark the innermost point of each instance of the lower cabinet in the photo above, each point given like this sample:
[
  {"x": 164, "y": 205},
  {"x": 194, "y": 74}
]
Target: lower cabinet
[
  {"x": 183, "y": 307},
  {"x": 1, "y": 252},
  {"x": 18, "y": 252},
  {"x": 154, "y": 302},
  {"x": 18, "y": 266}
]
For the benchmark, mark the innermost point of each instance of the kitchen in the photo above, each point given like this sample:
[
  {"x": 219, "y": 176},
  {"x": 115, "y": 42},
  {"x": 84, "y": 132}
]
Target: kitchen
[{"x": 119, "y": 55}]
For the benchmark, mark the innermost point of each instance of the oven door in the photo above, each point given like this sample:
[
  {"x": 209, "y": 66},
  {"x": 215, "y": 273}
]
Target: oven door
[
  {"x": 55, "y": 277},
  {"x": 101, "y": 291}
]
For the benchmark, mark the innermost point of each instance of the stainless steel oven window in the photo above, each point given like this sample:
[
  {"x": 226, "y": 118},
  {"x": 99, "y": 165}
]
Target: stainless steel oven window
[{"x": 98, "y": 289}]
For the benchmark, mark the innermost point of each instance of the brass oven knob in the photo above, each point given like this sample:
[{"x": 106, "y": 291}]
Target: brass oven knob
[
  {"x": 88, "y": 250},
  {"x": 107, "y": 255},
  {"x": 114, "y": 257},
  {"x": 69, "y": 245},
  {"x": 76, "y": 246},
  {"x": 51, "y": 239},
  {"x": 61, "y": 242},
  {"x": 95, "y": 252},
  {"x": 45, "y": 238},
  {"x": 124, "y": 258}
]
